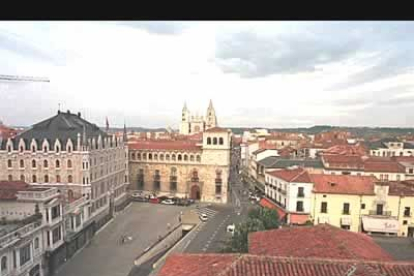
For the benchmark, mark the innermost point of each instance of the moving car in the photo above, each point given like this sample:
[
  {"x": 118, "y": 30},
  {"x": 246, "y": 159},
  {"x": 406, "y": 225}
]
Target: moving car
[
  {"x": 168, "y": 202},
  {"x": 203, "y": 217},
  {"x": 231, "y": 228}
]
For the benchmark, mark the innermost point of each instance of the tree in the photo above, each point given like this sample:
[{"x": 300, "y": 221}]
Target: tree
[
  {"x": 239, "y": 241},
  {"x": 269, "y": 217}
]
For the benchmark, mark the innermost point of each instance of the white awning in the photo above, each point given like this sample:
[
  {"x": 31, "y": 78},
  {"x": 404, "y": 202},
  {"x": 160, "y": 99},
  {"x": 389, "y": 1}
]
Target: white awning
[
  {"x": 346, "y": 221},
  {"x": 376, "y": 224},
  {"x": 323, "y": 220}
]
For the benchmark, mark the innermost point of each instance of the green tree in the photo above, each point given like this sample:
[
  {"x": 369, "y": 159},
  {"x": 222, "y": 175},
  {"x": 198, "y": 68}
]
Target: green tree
[
  {"x": 269, "y": 217},
  {"x": 239, "y": 241}
]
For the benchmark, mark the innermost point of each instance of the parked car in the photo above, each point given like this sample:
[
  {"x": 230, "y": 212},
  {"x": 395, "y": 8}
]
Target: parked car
[
  {"x": 136, "y": 194},
  {"x": 154, "y": 200},
  {"x": 203, "y": 217},
  {"x": 168, "y": 202}
]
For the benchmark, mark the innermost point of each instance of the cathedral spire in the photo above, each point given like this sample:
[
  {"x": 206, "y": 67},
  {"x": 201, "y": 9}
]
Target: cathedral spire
[
  {"x": 185, "y": 106},
  {"x": 210, "y": 105},
  {"x": 125, "y": 132}
]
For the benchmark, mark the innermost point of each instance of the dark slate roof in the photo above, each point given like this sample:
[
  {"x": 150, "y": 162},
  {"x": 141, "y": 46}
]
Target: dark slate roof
[
  {"x": 62, "y": 126},
  {"x": 277, "y": 162},
  {"x": 408, "y": 145}
]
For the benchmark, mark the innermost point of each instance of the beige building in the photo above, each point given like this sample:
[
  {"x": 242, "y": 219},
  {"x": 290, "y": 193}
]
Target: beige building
[
  {"x": 191, "y": 123},
  {"x": 183, "y": 168}
]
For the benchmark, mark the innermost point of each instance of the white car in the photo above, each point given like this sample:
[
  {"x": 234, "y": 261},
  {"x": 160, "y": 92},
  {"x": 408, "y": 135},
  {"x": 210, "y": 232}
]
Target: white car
[
  {"x": 167, "y": 202},
  {"x": 203, "y": 217},
  {"x": 230, "y": 228},
  {"x": 136, "y": 194}
]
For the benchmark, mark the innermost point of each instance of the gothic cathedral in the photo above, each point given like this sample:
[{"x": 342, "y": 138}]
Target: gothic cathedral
[{"x": 191, "y": 124}]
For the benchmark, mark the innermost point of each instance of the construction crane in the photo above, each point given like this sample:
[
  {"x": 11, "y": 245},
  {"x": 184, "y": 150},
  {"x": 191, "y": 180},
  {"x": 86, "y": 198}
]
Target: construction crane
[{"x": 23, "y": 78}]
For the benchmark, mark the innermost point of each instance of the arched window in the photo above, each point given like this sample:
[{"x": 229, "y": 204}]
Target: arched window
[
  {"x": 192, "y": 158},
  {"x": 69, "y": 163},
  {"x": 221, "y": 142},
  {"x": 33, "y": 148},
  {"x": 208, "y": 141},
  {"x": 3, "y": 264},
  {"x": 57, "y": 164},
  {"x": 70, "y": 179},
  {"x": 22, "y": 178},
  {"x": 139, "y": 156},
  {"x": 144, "y": 156},
  {"x": 9, "y": 148},
  {"x": 215, "y": 141},
  {"x": 173, "y": 171},
  {"x": 45, "y": 163},
  {"x": 57, "y": 149},
  {"x": 57, "y": 178},
  {"x": 21, "y": 149},
  {"x": 133, "y": 156},
  {"x": 198, "y": 158},
  {"x": 162, "y": 157},
  {"x": 34, "y": 178},
  {"x": 149, "y": 156},
  {"x": 69, "y": 149},
  {"x": 45, "y": 148},
  {"x": 185, "y": 157},
  {"x": 173, "y": 157},
  {"x": 33, "y": 163},
  {"x": 179, "y": 157},
  {"x": 46, "y": 178},
  {"x": 21, "y": 163},
  {"x": 9, "y": 163},
  {"x": 10, "y": 177},
  {"x": 167, "y": 157}
]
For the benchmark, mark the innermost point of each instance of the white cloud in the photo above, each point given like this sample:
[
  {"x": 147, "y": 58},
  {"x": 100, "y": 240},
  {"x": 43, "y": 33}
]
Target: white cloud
[{"x": 144, "y": 73}]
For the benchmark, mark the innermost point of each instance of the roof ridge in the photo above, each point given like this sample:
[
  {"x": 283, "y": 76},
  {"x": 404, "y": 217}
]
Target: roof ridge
[
  {"x": 232, "y": 265},
  {"x": 303, "y": 171}
]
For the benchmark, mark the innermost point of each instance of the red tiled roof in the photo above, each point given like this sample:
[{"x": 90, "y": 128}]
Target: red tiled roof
[
  {"x": 320, "y": 241},
  {"x": 254, "y": 265},
  {"x": 295, "y": 175},
  {"x": 343, "y": 184},
  {"x": 343, "y": 161},
  {"x": 164, "y": 145},
  {"x": 401, "y": 188},
  {"x": 9, "y": 189},
  {"x": 383, "y": 166},
  {"x": 346, "y": 150},
  {"x": 217, "y": 129}
]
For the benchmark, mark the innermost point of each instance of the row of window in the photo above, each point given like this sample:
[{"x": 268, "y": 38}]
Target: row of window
[
  {"x": 215, "y": 141},
  {"x": 46, "y": 178},
  {"x": 390, "y": 153},
  {"x": 45, "y": 148},
  {"x": 160, "y": 157},
  {"x": 34, "y": 163}
]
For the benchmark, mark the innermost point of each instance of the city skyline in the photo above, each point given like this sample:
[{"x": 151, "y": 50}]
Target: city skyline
[{"x": 258, "y": 74}]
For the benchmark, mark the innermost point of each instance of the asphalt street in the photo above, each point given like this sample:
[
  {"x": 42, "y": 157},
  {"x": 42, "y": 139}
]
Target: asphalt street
[
  {"x": 106, "y": 256},
  {"x": 213, "y": 233}
]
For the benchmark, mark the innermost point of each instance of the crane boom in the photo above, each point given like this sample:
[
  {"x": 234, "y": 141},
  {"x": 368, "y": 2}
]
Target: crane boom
[{"x": 23, "y": 78}]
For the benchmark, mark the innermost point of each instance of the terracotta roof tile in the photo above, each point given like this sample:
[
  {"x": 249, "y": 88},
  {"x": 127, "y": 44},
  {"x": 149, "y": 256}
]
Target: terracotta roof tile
[
  {"x": 320, "y": 241},
  {"x": 9, "y": 189},
  {"x": 164, "y": 145},
  {"x": 343, "y": 184},
  {"x": 372, "y": 165},
  {"x": 217, "y": 129},
  {"x": 254, "y": 265},
  {"x": 298, "y": 175}
]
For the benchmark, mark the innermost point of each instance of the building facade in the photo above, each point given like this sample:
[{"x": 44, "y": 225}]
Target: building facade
[
  {"x": 185, "y": 169},
  {"x": 191, "y": 123}
]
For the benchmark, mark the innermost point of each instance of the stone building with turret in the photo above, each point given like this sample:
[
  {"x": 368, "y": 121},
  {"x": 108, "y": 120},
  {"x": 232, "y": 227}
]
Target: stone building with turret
[{"x": 191, "y": 123}]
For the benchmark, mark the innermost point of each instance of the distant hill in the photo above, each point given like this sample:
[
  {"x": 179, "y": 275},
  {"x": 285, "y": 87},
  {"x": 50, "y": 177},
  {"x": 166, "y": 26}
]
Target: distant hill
[{"x": 358, "y": 131}]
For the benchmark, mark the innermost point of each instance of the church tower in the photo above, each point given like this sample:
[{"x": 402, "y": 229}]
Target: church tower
[
  {"x": 185, "y": 121},
  {"x": 211, "y": 119}
]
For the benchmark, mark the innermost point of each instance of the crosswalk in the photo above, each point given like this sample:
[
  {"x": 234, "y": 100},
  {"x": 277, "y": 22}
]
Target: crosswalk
[{"x": 205, "y": 210}]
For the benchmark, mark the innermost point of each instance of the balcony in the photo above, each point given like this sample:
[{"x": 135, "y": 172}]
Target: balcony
[
  {"x": 19, "y": 233},
  {"x": 383, "y": 213},
  {"x": 37, "y": 194}
]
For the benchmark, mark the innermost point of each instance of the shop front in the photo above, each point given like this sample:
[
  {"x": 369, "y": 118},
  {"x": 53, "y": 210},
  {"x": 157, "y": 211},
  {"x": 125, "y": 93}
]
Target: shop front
[{"x": 380, "y": 225}]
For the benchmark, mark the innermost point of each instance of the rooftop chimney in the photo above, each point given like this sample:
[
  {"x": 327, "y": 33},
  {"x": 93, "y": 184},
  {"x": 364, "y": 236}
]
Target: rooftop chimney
[
  {"x": 79, "y": 114},
  {"x": 68, "y": 111}
]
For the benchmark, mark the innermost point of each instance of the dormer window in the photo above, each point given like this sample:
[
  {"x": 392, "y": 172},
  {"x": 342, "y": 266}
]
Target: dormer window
[
  {"x": 57, "y": 149},
  {"x": 21, "y": 149},
  {"x": 69, "y": 149},
  {"x": 45, "y": 149},
  {"x": 33, "y": 148},
  {"x": 9, "y": 148}
]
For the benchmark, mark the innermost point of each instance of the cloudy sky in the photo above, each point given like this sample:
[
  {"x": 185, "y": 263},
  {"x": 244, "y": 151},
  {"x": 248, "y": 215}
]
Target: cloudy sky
[{"x": 264, "y": 74}]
